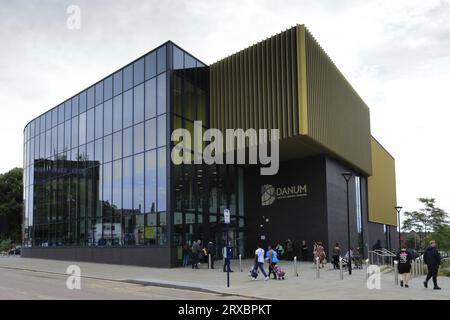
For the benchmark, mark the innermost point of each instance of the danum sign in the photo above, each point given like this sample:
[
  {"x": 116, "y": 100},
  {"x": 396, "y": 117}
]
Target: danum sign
[{"x": 270, "y": 193}]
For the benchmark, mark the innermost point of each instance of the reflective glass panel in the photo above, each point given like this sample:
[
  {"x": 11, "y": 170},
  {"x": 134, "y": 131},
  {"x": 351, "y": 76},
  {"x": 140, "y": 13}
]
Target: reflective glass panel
[
  {"x": 107, "y": 115},
  {"x": 150, "y": 65},
  {"x": 107, "y": 148},
  {"x": 90, "y": 97},
  {"x": 150, "y": 181},
  {"x": 128, "y": 78},
  {"x": 138, "y": 103},
  {"x": 127, "y": 197},
  {"x": 99, "y": 93},
  {"x": 117, "y": 113},
  {"x": 99, "y": 121},
  {"x": 139, "y": 138},
  {"x": 161, "y": 95},
  {"x": 108, "y": 88},
  {"x": 150, "y": 98},
  {"x": 138, "y": 67},
  {"x": 150, "y": 134},
  {"x": 90, "y": 126},
  {"x": 117, "y": 145},
  {"x": 127, "y": 142},
  {"x": 117, "y": 83},
  {"x": 128, "y": 108},
  {"x": 138, "y": 195}
]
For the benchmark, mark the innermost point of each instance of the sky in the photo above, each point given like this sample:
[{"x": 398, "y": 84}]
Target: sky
[{"x": 396, "y": 54}]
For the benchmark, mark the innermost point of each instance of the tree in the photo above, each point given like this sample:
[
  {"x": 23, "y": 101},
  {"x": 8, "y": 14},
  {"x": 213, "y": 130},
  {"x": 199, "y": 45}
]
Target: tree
[
  {"x": 429, "y": 219},
  {"x": 11, "y": 204}
]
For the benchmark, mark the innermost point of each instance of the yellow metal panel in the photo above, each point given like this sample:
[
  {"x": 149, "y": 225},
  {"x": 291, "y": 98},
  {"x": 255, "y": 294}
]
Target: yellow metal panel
[
  {"x": 302, "y": 85},
  {"x": 382, "y": 186}
]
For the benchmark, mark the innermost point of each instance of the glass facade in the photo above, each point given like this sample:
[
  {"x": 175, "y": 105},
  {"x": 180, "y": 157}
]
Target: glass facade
[
  {"x": 91, "y": 177},
  {"x": 97, "y": 167}
]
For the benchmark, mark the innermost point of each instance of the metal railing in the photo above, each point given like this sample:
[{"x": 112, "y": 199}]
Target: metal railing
[{"x": 381, "y": 257}]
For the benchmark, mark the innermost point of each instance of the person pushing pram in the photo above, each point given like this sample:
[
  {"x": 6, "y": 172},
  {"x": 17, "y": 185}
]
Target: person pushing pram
[{"x": 356, "y": 258}]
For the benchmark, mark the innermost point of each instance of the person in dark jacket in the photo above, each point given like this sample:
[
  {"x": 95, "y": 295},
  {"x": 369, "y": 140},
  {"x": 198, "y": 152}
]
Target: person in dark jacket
[
  {"x": 404, "y": 259},
  {"x": 211, "y": 248},
  {"x": 304, "y": 251},
  {"x": 432, "y": 259},
  {"x": 336, "y": 256}
]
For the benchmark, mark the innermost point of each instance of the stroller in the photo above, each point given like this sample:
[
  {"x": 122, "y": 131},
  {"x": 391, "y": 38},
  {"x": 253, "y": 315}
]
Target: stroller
[{"x": 279, "y": 272}]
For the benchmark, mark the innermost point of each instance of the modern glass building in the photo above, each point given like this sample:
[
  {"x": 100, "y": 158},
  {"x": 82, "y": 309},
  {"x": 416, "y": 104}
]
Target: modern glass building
[{"x": 99, "y": 183}]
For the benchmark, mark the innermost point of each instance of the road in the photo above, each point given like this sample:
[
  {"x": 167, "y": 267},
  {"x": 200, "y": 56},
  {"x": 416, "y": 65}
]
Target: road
[{"x": 30, "y": 285}]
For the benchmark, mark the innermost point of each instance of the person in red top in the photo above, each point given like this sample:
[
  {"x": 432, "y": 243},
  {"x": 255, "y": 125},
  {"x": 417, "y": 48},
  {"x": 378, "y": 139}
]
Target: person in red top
[{"x": 404, "y": 259}]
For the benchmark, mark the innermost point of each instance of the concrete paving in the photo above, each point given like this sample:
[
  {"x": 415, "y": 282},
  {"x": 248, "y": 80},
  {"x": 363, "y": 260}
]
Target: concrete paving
[{"x": 305, "y": 286}]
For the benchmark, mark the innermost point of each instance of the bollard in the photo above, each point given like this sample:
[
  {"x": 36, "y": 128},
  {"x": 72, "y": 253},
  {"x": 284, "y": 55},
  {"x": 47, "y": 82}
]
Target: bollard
[
  {"x": 317, "y": 268},
  {"x": 367, "y": 269},
  {"x": 240, "y": 262},
  {"x": 422, "y": 269},
  {"x": 417, "y": 268},
  {"x": 395, "y": 272},
  {"x": 295, "y": 266},
  {"x": 209, "y": 261},
  {"x": 341, "y": 270}
]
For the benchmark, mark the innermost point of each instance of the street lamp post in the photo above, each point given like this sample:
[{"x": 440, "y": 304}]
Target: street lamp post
[
  {"x": 347, "y": 176},
  {"x": 398, "y": 208}
]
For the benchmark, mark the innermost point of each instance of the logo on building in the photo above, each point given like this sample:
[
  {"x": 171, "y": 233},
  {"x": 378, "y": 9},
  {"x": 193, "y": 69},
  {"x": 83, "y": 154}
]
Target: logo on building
[
  {"x": 267, "y": 195},
  {"x": 270, "y": 193}
]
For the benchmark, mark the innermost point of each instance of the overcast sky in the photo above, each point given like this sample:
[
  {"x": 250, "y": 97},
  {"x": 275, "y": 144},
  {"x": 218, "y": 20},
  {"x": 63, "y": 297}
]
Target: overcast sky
[{"x": 396, "y": 54}]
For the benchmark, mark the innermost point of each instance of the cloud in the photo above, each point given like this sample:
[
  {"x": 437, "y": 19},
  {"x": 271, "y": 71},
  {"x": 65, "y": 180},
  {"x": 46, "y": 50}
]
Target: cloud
[{"x": 396, "y": 54}]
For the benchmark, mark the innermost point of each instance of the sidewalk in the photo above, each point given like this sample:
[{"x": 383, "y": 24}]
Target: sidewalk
[{"x": 306, "y": 286}]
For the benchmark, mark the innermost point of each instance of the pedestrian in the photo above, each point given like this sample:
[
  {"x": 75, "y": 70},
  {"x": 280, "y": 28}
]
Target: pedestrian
[
  {"x": 289, "y": 249},
  {"x": 186, "y": 252},
  {"x": 432, "y": 259},
  {"x": 211, "y": 250},
  {"x": 259, "y": 263},
  {"x": 226, "y": 262},
  {"x": 315, "y": 252},
  {"x": 196, "y": 251},
  {"x": 280, "y": 250},
  {"x": 404, "y": 259},
  {"x": 304, "y": 251},
  {"x": 272, "y": 258},
  {"x": 321, "y": 254},
  {"x": 336, "y": 256}
]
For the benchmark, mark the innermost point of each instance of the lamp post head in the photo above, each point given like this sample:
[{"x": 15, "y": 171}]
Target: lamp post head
[
  {"x": 347, "y": 176},
  {"x": 398, "y": 208}
]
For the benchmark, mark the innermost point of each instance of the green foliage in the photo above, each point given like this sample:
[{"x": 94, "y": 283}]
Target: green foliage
[
  {"x": 444, "y": 272},
  {"x": 5, "y": 245},
  {"x": 11, "y": 203},
  {"x": 442, "y": 237},
  {"x": 428, "y": 222}
]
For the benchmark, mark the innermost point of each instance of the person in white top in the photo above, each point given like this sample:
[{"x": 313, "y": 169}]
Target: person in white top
[{"x": 259, "y": 263}]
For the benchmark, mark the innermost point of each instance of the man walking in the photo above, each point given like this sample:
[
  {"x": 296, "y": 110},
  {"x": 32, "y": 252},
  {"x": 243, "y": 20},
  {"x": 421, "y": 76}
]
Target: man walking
[
  {"x": 259, "y": 263},
  {"x": 432, "y": 259}
]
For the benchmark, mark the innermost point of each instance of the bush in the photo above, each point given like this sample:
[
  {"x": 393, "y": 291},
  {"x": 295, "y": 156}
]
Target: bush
[
  {"x": 5, "y": 245},
  {"x": 445, "y": 272}
]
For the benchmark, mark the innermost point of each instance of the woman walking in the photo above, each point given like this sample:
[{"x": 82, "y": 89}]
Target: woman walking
[
  {"x": 404, "y": 259},
  {"x": 272, "y": 258}
]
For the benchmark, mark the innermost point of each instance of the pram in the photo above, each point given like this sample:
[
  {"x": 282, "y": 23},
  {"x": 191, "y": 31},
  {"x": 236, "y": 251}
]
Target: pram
[
  {"x": 279, "y": 272},
  {"x": 356, "y": 263}
]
